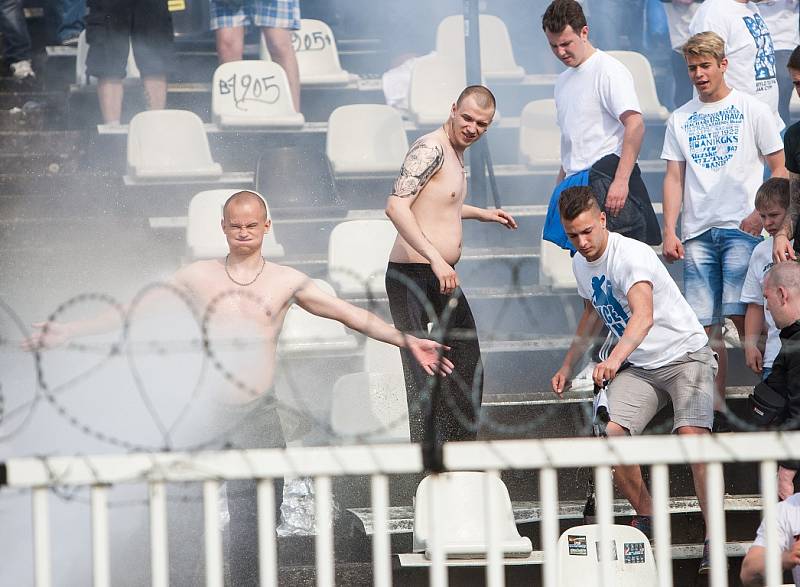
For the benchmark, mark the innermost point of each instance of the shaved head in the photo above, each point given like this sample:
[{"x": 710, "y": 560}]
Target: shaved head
[
  {"x": 482, "y": 95},
  {"x": 246, "y": 196},
  {"x": 785, "y": 275}
]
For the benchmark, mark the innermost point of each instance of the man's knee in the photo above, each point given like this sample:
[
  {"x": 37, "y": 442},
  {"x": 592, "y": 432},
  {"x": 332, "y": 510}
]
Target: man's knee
[
  {"x": 279, "y": 42},
  {"x": 230, "y": 44},
  {"x": 614, "y": 429}
]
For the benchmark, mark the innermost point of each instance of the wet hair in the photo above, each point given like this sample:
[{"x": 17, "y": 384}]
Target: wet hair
[
  {"x": 794, "y": 59},
  {"x": 247, "y": 195},
  {"x": 563, "y": 13},
  {"x": 784, "y": 275},
  {"x": 483, "y": 96},
  {"x": 706, "y": 43},
  {"x": 773, "y": 191},
  {"x": 575, "y": 201}
]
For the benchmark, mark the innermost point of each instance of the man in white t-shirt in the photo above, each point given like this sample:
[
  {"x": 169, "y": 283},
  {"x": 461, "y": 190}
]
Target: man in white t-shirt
[
  {"x": 679, "y": 15},
  {"x": 748, "y": 44},
  {"x": 714, "y": 147},
  {"x": 754, "y": 564},
  {"x": 783, "y": 21},
  {"x": 626, "y": 287}
]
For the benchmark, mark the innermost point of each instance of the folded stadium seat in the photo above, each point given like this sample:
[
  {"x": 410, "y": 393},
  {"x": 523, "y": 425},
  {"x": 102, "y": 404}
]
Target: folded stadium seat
[
  {"x": 794, "y": 107},
  {"x": 436, "y": 82},
  {"x": 381, "y": 357},
  {"x": 317, "y": 55},
  {"x": 82, "y": 79},
  {"x": 497, "y": 54},
  {"x": 644, "y": 82},
  {"x": 365, "y": 138},
  {"x": 540, "y": 135},
  {"x": 358, "y": 251},
  {"x": 578, "y": 561},
  {"x": 303, "y": 331},
  {"x": 462, "y": 505},
  {"x": 555, "y": 267},
  {"x": 204, "y": 236},
  {"x": 371, "y": 406},
  {"x": 169, "y": 145},
  {"x": 295, "y": 176},
  {"x": 253, "y": 94}
]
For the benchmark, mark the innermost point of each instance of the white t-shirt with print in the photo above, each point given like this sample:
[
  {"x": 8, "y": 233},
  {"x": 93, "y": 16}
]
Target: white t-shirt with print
[
  {"x": 590, "y": 99},
  {"x": 788, "y": 529},
  {"x": 782, "y": 18},
  {"x": 679, "y": 16},
  {"x": 753, "y": 293},
  {"x": 606, "y": 282},
  {"x": 721, "y": 143},
  {"x": 748, "y": 46}
]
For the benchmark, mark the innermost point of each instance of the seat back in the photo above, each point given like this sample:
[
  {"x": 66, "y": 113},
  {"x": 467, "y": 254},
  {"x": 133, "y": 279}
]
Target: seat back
[
  {"x": 644, "y": 82},
  {"x": 252, "y": 93},
  {"x": 794, "y": 106},
  {"x": 204, "y": 237},
  {"x": 381, "y": 357},
  {"x": 371, "y": 406},
  {"x": 82, "y": 79},
  {"x": 295, "y": 176},
  {"x": 578, "y": 560},
  {"x": 366, "y": 138},
  {"x": 305, "y": 331},
  {"x": 539, "y": 134},
  {"x": 358, "y": 251},
  {"x": 555, "y": 266},
  {"x": 497, "y": 54},
  {"x": 436, "y": 82}
]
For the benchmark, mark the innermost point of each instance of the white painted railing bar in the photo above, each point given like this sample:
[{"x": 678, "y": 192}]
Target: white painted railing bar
[
  {"x": 41, "y": 537},
  {"x": 438, "y": 571},
  {"x": 715, "y": 491},
  {"x": 381, "y": 542},
  {"x": 604, "y": 503},
  {"x": 495, "y": 573},
  {"x": 323, "y": 512},
  {"x": 548, "y": 493},
  {"x": 769, "y": 512},
  {"x": 659, "y": 481},
  {"x": 267, "y": 540},
  {"x": 101, "y": 570},
  {"x": 159, "y": 545},
  {"x": 213, "y": 536}
]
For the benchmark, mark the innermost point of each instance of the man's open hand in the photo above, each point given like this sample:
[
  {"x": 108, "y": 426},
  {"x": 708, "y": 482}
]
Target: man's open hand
[
  {"x": 46, "y": 335},
  {"x": 430, "y": 354}
]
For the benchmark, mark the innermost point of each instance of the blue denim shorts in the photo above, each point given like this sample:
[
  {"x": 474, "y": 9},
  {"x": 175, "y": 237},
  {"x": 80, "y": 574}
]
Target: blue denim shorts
[
  {"x": 715, "y": 265},
  {"x": 279, "y": 14}
]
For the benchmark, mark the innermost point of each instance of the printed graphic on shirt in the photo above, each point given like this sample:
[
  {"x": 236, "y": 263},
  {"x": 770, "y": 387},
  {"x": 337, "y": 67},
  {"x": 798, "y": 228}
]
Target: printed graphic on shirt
[
  {"x": 609, "y": 308},
  {"x": 764, "y": 63},
  {"x": 714, "y": 136}
]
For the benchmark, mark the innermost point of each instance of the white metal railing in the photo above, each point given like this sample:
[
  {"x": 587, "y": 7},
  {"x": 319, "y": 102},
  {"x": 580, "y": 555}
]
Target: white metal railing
[{"x": 322, "y": 463}]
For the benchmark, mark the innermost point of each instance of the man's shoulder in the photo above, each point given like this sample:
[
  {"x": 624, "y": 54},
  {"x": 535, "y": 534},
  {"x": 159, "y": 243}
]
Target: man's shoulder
[
  {"x": 793, "y": 133},
  {"x": 629, "y": 251},
  {"x": 432, "y": 139}
]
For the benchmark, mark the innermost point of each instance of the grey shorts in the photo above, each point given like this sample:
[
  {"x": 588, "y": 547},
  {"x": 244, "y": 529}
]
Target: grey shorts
[{"x": 637, "y": 394}]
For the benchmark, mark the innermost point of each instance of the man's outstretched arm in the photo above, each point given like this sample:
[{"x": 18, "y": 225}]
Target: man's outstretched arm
[
  {"x": 488, "y": 215},
  {"x": 588, "y": 328}
]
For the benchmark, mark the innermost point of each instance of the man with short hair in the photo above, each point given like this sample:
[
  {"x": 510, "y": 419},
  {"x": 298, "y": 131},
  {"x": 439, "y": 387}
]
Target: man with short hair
[
  {"x": 662, "y": 346},
  {"x": 427, "y": 207}
]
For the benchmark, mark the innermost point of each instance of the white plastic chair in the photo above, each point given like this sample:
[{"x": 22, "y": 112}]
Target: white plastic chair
[
  {"x": 372, "y": 406},
  {"x": 169, "y": 145},
  {"x": 436, "y": 82},
  {"x": 794, "y": 106},
  {"x": 497, "y": 54},
  {"x": 579, "y": 566},
  {"x": 253, "y": 94},
  {"x": 461, "y": 507},
  {"x": 303, "y": 331},
  {"x": 366, "y": 138},
  {"x": 381, "y": 357},
  {"x": 644, "y": 82},
  {"x": 317, "y": 55},
  {"x": 204, "y": 237},
  {"x": 358, "y": 251},
  {"x": 540, "y": 135},
  {"x": 555, "y": 267},
  {"x": 81, "y": 79}
]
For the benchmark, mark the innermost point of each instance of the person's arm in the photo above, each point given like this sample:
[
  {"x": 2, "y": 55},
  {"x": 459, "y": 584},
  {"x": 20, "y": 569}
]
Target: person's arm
[
  {"x": 753, "y": 327},
  {"x": 631, "y": 144},
  {"x": 752, "y": 222},
  {"x": 560, "y": 175},
  {"x": 782, "y": 249},
  {"x": 488, "y": 215},
  {"x": 753, "y": 572},
  {"x": 588, "y": 328},
  {"x": 672, "y": 200}
]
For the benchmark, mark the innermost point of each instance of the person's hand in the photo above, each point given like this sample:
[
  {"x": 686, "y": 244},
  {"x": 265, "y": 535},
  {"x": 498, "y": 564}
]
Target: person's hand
[
  {"x": 752, "y": 224},
  {"x": 605, "y": 372},
  {"x": 501, "y": 217},
  {"x": 785, "y": 482},
  {"x": 430, "y": 355},
  {"x": 560, "y": 380},
  {"x": 617, "y": 194},
  {"x": 448, "y": 280},
  {"x": 791, "y": 558},
  {"x": 46, "y": 335},
  {"x": 782, "y": 249},
  {"x": 672, "y": 247},
  {"x": 753, "y": 358}
]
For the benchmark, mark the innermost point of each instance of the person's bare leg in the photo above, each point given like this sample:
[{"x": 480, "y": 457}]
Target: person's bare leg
[
  {"x": 628, "y": 479},
  {"x": 230, "y": 44},
  {"x": 155, "y": 92},
  {"x": 109, "y": 95},
  {"x": 279, "y": 43},
  {"x": 717, "y": 344},
  {"x": 698, "y": 474}
]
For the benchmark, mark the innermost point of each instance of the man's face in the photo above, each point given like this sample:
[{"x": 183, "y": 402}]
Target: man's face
[
  {"x": 587, "y": 233},
  {"x": 772, "y": 215},
  {"x": 795, "y": 74},
  {"x": 777, "y": 304},
  {"x": 468, "y": 122},
  {"x": 244, "y": 226},
  {"x": 707, "y": 75},
  {"x": 569, "y": 47}
]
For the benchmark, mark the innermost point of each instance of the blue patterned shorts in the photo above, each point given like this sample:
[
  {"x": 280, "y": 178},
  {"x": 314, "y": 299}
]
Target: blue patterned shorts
[{"x": 281, "y": 14}]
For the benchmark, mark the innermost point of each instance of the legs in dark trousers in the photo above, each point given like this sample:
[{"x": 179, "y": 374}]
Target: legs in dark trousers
[{"x": 459, "y": 398}]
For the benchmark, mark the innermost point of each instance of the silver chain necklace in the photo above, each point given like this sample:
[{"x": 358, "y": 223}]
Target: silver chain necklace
[{"x": 252, "y": 281}]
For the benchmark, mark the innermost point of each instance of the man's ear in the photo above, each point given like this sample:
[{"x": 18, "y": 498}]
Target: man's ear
[{"x": 267, "y": 225}]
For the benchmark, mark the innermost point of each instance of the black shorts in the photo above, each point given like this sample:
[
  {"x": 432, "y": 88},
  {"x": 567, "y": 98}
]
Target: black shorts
[{"x": 114, "y": 25}]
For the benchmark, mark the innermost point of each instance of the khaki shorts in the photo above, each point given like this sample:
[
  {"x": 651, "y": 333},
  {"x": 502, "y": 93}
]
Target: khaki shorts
[{"x": 637, "y": 394}]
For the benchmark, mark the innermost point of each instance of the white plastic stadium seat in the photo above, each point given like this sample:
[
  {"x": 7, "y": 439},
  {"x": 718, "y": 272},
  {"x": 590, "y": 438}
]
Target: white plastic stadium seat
[
  {"x": 303, "y": 331},
  {"x": 462, "y": 509},
  {"x": 204, "y": 237},
  {"x": 81, "y": 79},
  {"x": 644, "y": 82},
  {"x": 555, "y": 267},
  {"x": 358, "y": 251},
  {"x": 169, "y": 145},
  {"x": 497, "y": 54},
  {"x": 794, "y": 106},
  {"x": 317, "y": 55},
  {"x": 381, "y": 357},
  {"x": 578, "y": 563},
  {"x": 365, "y": 138},
  {"x": 253, "y": 94},
  {"x": 371, "y": 406},
  {"x": 540, "y": 135},
  {"x": 436, "y": 82}
]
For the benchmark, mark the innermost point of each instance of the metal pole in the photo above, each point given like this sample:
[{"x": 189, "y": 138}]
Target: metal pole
[{"x": 472, "y": 53}]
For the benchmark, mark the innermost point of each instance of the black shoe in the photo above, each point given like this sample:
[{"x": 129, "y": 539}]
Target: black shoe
[
  {"x": 705, "y": 561},
  {"x": 721, "y": 423},
  {"x": 644, "y": 524}
]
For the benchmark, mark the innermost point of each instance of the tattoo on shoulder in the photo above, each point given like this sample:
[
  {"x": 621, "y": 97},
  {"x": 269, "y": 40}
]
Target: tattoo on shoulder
[{"x": 422, "y": 161}]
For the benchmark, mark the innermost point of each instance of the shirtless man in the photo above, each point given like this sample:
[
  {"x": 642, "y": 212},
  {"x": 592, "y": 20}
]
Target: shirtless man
[
  {"x": 427, "y": 206},
  {"x": 248, "y": 297}
]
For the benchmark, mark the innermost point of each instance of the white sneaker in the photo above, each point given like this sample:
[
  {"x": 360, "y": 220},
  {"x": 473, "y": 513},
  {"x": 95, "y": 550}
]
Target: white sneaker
[
  {"x": 730, "y": 334},
  {"x": 583, "y": 381},
  {"x": 22, "y": 70}
]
